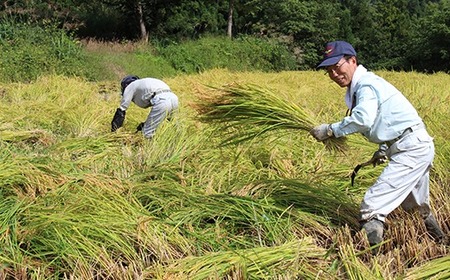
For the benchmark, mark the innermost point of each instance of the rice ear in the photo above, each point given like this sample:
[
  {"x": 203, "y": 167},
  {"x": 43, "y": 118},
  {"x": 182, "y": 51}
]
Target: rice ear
[{"x": 249, "y": 111}]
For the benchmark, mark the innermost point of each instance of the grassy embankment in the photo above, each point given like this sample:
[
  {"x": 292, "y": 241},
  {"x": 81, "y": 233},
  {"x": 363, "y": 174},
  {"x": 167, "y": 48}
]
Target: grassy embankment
[{"x": 78, "y": 201}]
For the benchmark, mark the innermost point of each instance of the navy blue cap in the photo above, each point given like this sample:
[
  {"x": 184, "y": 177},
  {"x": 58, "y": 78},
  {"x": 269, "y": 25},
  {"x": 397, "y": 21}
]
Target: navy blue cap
[
  {"x": 127, "y": 80},
  {"x": 334, "y": 51}
]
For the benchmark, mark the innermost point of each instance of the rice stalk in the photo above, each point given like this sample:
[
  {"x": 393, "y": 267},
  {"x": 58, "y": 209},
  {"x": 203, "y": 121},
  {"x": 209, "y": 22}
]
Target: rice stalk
[
  {"x": 297, "y": 259},
  {"x": 354, "y": 268},
  {"x": 215, "y": 220},
  {"x": 407, "y": 233},
  {"x": 322, "y": 201},
  {"x": 91, "y": 222},
  {"x": 28, "y": 136},
  {"x": 24, "y": 176},
  {"x": 249, "y": 111},
  {"x": 433, "y": 269},
  {"x": 351, "y": 262},
  {"x": 10, "y": 210},
  {"x": 240, "y": 221}
]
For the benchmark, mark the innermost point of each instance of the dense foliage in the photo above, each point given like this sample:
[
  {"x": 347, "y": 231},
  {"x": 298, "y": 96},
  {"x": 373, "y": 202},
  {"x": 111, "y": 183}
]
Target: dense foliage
[
  {"x": 242, "y": 54},
  {"x": 29, "y": 51},
  {"x": 393, "y": 34}
]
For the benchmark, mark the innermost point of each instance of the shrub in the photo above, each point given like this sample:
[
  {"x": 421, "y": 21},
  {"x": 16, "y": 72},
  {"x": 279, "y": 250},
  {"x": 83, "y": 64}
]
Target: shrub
[
  {"x": 241, "y": 54},
  {"x": 31, "y": 50}
]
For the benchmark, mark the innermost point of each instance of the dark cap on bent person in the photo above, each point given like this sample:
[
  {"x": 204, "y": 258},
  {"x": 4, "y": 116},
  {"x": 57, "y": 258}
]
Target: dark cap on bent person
[
  {"x": 127, "y": 80},
  {"x": 334, "y": 51}
]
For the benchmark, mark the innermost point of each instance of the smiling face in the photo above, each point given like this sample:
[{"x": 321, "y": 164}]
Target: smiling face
[{"x": 342, "y": 72}]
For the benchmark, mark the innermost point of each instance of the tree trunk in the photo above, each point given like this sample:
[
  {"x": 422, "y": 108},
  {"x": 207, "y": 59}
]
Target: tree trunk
[
  {"x": 230, "y": 19},
  {"x": 144, "y": 34}
]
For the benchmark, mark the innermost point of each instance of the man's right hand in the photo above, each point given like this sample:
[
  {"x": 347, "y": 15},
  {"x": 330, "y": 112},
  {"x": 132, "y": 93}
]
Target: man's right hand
[
  {"x": 117, "y": 120},
  {"x": 140, "y": 127},
  {"x": 322, "y": 132},
  {"x": 379, "y": 157}
]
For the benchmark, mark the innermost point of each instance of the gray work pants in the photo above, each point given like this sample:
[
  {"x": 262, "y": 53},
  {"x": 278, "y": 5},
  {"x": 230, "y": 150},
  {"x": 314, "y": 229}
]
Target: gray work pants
[
  {"x": 404, "y": 181},
  {"x": 163, "y": 105}
]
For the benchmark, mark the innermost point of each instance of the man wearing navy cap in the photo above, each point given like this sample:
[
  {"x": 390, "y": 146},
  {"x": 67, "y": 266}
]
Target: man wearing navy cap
[
  {"x": 384, "y": 116},
  {"x": 145, "y": 93}
]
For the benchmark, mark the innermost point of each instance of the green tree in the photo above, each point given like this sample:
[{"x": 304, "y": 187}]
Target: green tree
[
  {"x": 230, "y": 18},
  {"x": 430, "y": 47},
  {"x": 381, "y": 31},
  {"x": 132, "y": 16},
  {"x": 303, "y": 25},
  {"x": 193, "y": 18},
  {"x": 65, "y": 13}
]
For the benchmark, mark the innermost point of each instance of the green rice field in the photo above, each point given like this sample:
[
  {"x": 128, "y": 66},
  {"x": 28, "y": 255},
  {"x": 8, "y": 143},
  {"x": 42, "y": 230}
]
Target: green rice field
[{"x": 197, "y": 201}]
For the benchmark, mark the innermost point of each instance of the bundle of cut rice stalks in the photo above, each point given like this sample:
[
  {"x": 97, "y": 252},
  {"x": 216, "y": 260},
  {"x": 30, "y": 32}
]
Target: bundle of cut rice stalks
[
  {"x": 249, "y": 111},
  {"x": 30, "y": 136}
]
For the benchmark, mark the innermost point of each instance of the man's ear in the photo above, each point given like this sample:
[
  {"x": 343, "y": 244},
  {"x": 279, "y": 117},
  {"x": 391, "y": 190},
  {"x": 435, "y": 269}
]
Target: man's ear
[{"x": 353, "y": 60}]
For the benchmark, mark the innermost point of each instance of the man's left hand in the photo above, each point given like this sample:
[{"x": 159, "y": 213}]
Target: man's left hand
[
  {"x": 322, "y": 132},
  {"x": 118, "y": 119}
]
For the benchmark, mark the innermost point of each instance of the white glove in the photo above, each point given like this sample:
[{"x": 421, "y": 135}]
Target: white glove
[
  {"x": 322, "y": 132},
  {"x": 379, "y": 157}
]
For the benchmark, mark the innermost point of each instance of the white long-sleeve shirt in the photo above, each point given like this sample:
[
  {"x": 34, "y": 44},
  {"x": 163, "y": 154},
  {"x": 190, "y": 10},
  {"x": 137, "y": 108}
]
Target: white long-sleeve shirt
[
  {"x": 381, "y": 112},
  {"x": 141, "y": 91}
]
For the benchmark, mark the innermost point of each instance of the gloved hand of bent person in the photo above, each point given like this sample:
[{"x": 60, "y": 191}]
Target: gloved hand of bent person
[
  {"x": 379, "y": 157},
  {"x": 118, "y": 119},
  {"x": 140, "y": 126},
  {"x": 322, "y": 132}
]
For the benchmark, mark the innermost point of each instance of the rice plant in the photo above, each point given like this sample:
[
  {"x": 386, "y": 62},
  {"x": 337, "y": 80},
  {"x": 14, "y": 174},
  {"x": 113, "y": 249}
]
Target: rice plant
[
  {"x": 435, "y": 269},
  {"x": 249, "y": 111},
  {"x": 80, "y": 202},
  {"x": 300, "y": 259}
]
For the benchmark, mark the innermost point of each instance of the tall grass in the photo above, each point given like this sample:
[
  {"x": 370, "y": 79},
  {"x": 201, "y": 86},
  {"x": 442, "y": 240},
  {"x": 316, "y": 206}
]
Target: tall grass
[
  {"x": 33, "y": 50},
  {"x": 240, "y": 54},
  {"x": 30, "y": 51},
  {"x": 113, "y": 61}
]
